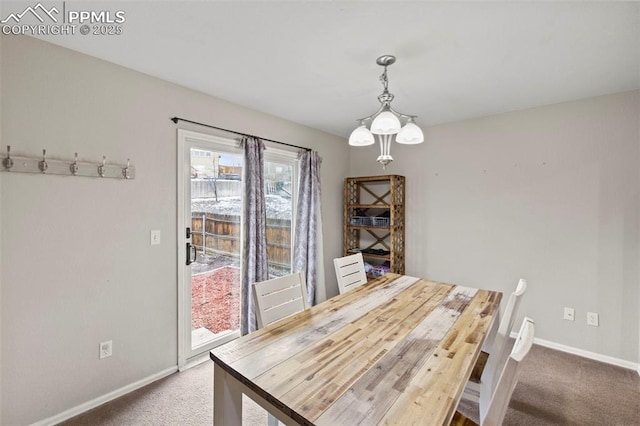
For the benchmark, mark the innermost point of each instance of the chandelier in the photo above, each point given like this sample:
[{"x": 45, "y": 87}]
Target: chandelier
[{"x": 385, "y": 123}]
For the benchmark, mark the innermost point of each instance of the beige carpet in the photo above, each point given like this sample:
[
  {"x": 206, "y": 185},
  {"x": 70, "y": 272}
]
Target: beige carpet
[{"x": 554, "y": 389}]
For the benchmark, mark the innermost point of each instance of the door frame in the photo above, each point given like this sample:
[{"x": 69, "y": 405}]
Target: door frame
[{"x": 186, "y": 140}]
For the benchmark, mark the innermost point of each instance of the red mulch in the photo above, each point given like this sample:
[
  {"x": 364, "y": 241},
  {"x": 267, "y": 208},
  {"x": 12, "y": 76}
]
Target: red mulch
[{"x": 215, "y": 300}]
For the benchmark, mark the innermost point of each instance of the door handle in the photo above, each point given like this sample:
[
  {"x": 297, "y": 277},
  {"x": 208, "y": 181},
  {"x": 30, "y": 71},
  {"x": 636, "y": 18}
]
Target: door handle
[{"x": 191, "y": 250}]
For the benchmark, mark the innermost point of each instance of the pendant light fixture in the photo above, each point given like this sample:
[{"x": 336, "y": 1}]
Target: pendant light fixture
[{"x": 385, "y": 123}]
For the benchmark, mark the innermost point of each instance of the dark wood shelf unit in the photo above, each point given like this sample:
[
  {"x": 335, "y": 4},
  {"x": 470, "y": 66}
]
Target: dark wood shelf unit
[{"x": 370, "y": 193}]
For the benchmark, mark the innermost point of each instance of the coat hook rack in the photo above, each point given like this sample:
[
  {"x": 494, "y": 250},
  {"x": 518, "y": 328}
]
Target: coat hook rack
[
  {"x": 8, "y": 162},
  {"x": 50, "y": 166},
  {"x": 42, "y": 165},
  {"x": 102, "y": 169},
  {"x": 74, "y": 166},
  {"x": 126, "y": 172}
]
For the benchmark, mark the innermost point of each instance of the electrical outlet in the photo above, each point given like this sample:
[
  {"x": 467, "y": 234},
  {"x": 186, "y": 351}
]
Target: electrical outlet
[
  {"x": 592, "y": 319},
  {"x": 155, "y": 237},
  {"x": 106, "y": 349},
  {"x": 569, "y": 314}
]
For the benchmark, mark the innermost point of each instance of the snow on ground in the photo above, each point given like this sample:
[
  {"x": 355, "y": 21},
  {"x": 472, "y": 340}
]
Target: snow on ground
[{"x": 277, "y": 207}]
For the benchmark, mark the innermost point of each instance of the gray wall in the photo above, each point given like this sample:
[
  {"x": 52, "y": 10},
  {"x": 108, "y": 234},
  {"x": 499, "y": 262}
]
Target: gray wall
[
  {"x": 550, "y": 194},
  {"x": 77, "y": 265}
]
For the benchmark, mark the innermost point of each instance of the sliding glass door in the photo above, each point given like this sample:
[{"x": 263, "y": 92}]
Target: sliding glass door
[
  {"x": 209, "y": 255},
  {"x": 209, "y": 235}
]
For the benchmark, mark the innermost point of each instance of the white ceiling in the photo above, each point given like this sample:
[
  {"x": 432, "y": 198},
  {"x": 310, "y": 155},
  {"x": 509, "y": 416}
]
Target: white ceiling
[{"x": 314, "y": 62}]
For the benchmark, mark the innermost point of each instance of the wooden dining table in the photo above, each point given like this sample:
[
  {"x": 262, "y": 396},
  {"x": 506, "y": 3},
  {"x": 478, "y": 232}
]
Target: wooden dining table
[{"x": 397, "y": 350}]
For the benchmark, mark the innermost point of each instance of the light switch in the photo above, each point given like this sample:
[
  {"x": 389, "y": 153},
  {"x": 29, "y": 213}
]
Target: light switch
[{"x": 155, "y": 237}]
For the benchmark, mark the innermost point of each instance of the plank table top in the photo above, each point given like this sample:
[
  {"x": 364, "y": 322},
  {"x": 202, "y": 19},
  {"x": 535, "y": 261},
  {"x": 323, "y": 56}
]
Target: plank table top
[{"x": 398, "y": 350}]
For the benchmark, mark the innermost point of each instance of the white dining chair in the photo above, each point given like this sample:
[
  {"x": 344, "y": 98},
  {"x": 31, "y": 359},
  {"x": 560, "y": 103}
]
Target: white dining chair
[
  {"x": 510, "y": 310},
  {"x": 497, "y": 341},
  {"x": 488, "y": 367},
  {"x": 492, "y": 413},
  {"x": 279, "y": 297},
  {"x": 276, "y": 299},
  {"x": 350, "y": 272},
  {"x": 499, "y": 349}
]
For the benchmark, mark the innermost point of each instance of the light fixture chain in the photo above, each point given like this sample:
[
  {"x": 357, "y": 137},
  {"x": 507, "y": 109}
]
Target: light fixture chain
[{"x": 384, "y": 80}]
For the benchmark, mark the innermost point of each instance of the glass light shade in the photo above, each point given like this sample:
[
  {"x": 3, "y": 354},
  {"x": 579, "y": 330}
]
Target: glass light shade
[
  {"x": 410, "y": 134},
  {"x": 385, "y": 124},
  {"x": 361, "y": 136}
]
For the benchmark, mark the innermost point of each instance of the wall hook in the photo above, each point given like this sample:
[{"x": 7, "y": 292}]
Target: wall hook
[
  {"x": 126, "y": 173},
  {"x": 74, "y": 166},
  {"x": 8, "y": 162},
  {"x": 102, "y": 169},
  {"x": 42, "y": 165}
]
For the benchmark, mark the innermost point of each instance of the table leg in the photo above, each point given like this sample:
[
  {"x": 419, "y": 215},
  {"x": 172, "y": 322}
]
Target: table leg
[{"x": 227, "y": 399}]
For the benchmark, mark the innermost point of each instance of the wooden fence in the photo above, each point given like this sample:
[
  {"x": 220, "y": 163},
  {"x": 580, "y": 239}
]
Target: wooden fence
[{"x": 220, "y": 234}]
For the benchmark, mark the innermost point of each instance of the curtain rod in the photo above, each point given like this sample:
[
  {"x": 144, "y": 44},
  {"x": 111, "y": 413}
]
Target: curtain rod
[{"x": 176, "y": 119}]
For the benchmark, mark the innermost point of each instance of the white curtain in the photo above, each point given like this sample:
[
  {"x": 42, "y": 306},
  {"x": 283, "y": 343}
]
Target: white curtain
[
  {"x": 308, "y": 230},
  {"x": 254, "y": 230}
]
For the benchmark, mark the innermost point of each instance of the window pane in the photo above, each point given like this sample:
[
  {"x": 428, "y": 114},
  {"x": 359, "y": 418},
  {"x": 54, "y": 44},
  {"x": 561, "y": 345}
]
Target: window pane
[
  {"x": 279, "y": 202},
  {"x": 215, "y": 221}
]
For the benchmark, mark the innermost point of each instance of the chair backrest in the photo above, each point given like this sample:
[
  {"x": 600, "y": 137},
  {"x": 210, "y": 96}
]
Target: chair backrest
[
  {"x": 495, "y": 412},
  {"x": 499, "y": 349},
  {"x": 350, "y": 272},
  {"x": 279, "y": 297},
  {"x": 506, "y": 325}
]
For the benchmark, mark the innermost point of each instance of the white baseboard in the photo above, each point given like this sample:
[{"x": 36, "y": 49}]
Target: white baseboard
[
  {"x": 585, "y": 354},
  {"x": 65, "y": 415},
  {"x": 104, "y": 398},
  {"x": 193, "y": 362}
]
